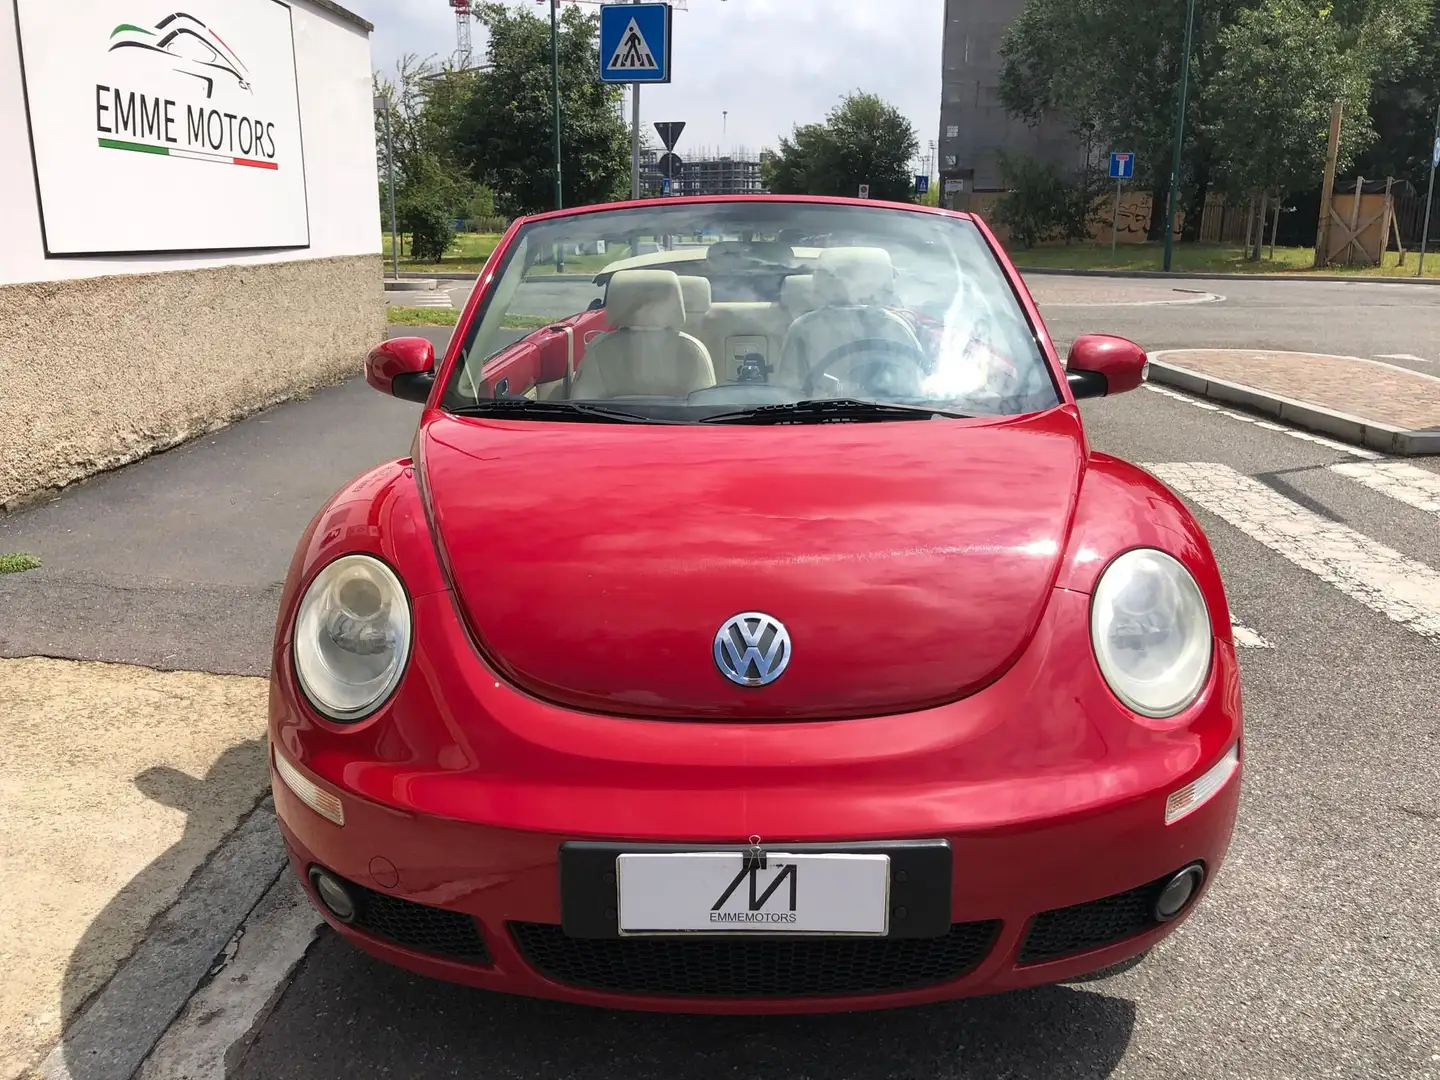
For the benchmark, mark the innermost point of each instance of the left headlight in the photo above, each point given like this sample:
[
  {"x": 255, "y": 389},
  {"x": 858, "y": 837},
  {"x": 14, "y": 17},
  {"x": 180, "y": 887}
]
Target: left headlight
[
  {"x": 352, "y": 637},
  {"x": 1151, "y": 631}
]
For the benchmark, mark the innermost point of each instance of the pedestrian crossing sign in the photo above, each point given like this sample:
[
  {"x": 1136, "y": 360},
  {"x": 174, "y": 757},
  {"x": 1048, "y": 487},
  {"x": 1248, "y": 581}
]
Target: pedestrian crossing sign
[{"x": 635, "y": 43}]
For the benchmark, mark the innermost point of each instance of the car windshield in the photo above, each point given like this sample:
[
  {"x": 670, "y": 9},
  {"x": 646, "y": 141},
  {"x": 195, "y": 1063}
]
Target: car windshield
[{"x": 750, "y": 311}]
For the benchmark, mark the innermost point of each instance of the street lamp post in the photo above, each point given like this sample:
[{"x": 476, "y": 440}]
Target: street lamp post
[
  {"x": 555, "y": 95},
  {"x": 382, "y": 102},
  {"x": 1179, "y": 135}
]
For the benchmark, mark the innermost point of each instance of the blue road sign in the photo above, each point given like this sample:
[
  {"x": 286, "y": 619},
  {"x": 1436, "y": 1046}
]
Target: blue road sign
[
  {"x": 635, "y": 43},
  {"x": 1122, "y": 166},
  {"x": 922, "y": 185},
  {"x": 664, "y": 185}
]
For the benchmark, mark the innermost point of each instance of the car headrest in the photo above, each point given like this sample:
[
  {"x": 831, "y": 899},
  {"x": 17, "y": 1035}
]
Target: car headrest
[
  {"x": 854, "y": 275},
  {"x": 645, "y": 298},
  {"x": 696, "y": 292},
  {"x": 797, "y": 294}
]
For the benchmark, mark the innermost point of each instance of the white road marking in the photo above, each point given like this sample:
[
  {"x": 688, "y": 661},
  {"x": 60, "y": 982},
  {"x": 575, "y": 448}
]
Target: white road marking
[
  {"x": 1400, "y": 480},
  {"x": 1384, "y": 580},
  {"x": 1402, "y": 356},
  {"x": 1319, "y": 440},
  {"x": 1246, "y": 638},
  {"x": 1194, "y": 298},
  {"x": 226, "y": 1010}
]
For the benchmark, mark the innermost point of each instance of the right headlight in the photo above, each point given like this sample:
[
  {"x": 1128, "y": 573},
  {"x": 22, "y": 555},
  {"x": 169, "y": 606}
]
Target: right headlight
[
  {"x": 1151, "y": 632},
  {"x": 352, "y": 637}
]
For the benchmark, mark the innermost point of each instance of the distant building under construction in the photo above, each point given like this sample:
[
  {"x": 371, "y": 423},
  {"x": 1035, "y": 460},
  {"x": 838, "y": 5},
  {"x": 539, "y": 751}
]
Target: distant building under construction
[{"x": 704, "y": 174}]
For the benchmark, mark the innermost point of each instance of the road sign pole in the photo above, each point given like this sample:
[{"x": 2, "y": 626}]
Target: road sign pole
[
  {"x": 1429, "y": 196},
  {"x": 555, "y": 95},
  {"x": 1179, "y": 135},
  {"x": 1115, "y": 221},
  {"x": 635, "y": 138}
]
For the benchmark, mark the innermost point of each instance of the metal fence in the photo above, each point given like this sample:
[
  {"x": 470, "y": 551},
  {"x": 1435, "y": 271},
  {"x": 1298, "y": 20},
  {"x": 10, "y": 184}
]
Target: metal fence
[{"x": 1410, "y": 216}]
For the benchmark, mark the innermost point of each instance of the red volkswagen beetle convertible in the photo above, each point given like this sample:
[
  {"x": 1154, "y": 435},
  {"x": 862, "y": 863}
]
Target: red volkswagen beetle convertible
[{"x": 753, "y": 628}]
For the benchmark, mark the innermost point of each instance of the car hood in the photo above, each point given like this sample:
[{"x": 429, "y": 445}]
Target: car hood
[{"x": 909, "y": 561}]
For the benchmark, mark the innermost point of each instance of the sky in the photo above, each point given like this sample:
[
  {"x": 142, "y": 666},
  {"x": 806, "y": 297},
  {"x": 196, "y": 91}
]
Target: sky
[{"x": 771, "y": 64}]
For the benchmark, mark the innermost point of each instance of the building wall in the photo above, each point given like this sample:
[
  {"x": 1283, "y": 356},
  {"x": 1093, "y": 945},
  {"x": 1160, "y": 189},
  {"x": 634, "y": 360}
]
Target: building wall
[
  {"x": 106, "y": 359},
  {"x": 974, "y": 127}
]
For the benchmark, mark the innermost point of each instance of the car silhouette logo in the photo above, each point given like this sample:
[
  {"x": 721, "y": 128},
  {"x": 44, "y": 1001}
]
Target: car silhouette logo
[
  {"x": 752, "y": 649},
  {"x": 187, "y": 43}
]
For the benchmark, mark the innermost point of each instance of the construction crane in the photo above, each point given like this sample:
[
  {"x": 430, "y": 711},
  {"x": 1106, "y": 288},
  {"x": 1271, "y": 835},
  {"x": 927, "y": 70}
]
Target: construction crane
[{"x": 464, "y": 45}]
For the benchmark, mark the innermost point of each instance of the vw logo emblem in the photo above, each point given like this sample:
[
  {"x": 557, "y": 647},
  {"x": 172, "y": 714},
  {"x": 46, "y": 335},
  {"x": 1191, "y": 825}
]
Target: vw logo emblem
[{"x": 752, "y": 649}]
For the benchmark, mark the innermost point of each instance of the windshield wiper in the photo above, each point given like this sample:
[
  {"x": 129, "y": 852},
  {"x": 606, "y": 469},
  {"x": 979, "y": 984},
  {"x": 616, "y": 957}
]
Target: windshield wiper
[
  {"x": 573, "y": 411},
  {"x": 827, "y": 410}
]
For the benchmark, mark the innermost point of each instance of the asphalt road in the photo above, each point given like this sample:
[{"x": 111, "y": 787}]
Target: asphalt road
[{"x": 1317, "y": 953}]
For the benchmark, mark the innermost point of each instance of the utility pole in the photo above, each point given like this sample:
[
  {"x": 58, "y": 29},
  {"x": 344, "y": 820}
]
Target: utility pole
[
  {"x": 1179, "y": 135},
  {"x": 382, "y": 102},
  {"x": 1430, "y": 195},
  {"x": 555, "y": 96}
]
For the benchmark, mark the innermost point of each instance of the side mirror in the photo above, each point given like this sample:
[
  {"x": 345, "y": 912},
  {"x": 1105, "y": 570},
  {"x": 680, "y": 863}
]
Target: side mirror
[
  {"x": 403, "y": 367},
  {"x": 1101, "y": 366}
]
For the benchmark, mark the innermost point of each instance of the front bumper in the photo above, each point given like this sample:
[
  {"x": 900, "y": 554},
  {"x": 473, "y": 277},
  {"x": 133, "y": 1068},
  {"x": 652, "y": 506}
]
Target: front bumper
[
  {"x": 482, "y": 907},
  {"x": 460, "y": 794}
]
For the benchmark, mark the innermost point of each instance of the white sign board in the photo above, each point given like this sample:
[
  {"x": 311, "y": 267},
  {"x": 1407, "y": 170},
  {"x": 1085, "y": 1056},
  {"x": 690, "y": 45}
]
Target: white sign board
[
  {"x": 864, "y": 191},
  {"x": 158, "y": 131}
]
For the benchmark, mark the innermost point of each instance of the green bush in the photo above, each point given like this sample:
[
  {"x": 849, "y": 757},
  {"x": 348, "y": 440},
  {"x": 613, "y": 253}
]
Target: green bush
[
  {"x": 1041, "y": 203},
  {"x": 432, "y": 231}
]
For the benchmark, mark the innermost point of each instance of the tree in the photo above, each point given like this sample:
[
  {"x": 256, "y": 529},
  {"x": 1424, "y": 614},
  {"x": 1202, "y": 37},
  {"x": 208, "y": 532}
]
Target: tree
[
  {"x": 431, "y": 188},
  {"x": 1283, "y": 66},
  {"x": 506, "y": 137},
  {"x": 864, "y": 140}
]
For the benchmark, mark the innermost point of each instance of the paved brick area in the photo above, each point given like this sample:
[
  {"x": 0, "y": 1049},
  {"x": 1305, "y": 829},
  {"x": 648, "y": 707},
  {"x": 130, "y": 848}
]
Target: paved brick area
[{"x": 1376, "y": 392}]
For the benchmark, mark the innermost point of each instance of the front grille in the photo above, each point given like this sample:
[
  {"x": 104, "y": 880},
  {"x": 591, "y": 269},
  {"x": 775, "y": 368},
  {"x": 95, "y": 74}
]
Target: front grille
[
  {"x": 426, "y": 929},
  {"x": 707, "y": 967},
  {"x": 1091, "y": 925}
]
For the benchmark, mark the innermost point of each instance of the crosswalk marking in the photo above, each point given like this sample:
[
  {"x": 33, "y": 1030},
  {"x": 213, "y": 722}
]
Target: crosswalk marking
[
  {"x": 1384, "y": 580},
  {"x": 1400, "y": 480},
  {"x": 1319, "y": 440},
  {"x": 1402, "y": 356},
  {"x": 1246, "y": 638}
]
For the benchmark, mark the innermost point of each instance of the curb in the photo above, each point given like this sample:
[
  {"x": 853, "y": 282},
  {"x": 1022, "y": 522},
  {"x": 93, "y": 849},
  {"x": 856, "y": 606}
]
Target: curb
[
  {"x": 112, "y": 1037},
  {"x": 1338, "y": 425},
  {"x": 1191, "y": 275}
]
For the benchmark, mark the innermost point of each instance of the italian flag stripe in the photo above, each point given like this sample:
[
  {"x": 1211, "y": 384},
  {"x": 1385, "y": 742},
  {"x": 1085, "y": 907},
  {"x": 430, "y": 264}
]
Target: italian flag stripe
[{"x": 189, "y": 155}]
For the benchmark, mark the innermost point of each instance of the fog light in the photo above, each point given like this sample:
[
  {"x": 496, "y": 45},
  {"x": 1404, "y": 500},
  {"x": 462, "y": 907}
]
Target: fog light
[
  {"x": 325, "y": 803},
  {"x": 332, "y": 893},
  {"x": 1178, "y": 892},
  {"x": 1201, "y": 790}
]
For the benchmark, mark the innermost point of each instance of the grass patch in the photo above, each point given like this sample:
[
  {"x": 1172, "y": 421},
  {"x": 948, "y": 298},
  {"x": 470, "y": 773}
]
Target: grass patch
[
  {"x": 18, "y": 563},
  {"x": 1207, "y": 259},
  {"x": 466, "y": 255},
  {"x": 420, "y": 316}
]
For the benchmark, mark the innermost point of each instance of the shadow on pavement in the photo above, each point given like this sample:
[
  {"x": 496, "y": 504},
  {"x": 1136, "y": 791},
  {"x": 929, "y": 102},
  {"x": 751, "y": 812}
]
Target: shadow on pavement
[
  {"x": 347, "y": 1015},
  {"x": 213, "y": 806}
]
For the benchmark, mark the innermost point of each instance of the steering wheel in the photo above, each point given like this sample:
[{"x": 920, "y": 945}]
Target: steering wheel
[{"x": 871, "y": 364}]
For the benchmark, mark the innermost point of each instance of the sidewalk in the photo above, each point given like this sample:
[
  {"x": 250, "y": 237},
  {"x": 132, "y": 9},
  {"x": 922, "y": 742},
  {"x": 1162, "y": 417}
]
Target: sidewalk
[
  {"x": 1367, "y": 402},
  {"x": 132, "y": 704}
]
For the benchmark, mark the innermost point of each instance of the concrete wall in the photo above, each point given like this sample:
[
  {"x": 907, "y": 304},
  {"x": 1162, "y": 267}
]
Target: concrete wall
[
  {"x": 970, "y": 100},
  {"x": 106, "y": 359}
]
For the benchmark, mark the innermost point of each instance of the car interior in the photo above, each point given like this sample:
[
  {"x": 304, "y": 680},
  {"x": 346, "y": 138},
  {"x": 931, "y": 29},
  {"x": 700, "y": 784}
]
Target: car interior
[{"x": 660, "y": 333}]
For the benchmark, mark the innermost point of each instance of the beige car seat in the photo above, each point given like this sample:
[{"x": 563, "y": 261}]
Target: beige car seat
[
  {"x": 854, "y": 289},
  {"x": 647, "y": 354}
]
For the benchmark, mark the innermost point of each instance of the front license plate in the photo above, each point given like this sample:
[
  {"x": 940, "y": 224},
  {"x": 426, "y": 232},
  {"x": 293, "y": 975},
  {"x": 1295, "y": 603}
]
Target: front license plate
[{"x": 713, "y": 891}]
